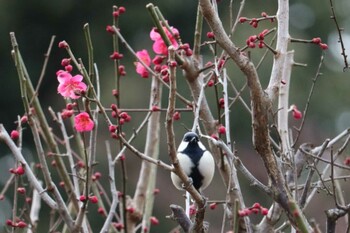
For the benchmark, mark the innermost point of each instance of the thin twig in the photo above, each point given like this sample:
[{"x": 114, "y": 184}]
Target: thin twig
[
  {"x": 43, "y": 70},
  {"x": 346, "y": 65},
  {"x": 70, "y": 157},
  {"x": 144, "y": 157},
  {"x": 133, "y": 136},
  {"x": 318, "y": 74},
  {"x": 233, "y": 28},
  {"x": 311, "y": 172},
  {"x": 111, "y": 213}
]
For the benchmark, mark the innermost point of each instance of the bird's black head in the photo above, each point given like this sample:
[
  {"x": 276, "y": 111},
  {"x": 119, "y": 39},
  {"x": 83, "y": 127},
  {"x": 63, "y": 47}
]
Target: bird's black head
[{"x": 191, "y": 137}]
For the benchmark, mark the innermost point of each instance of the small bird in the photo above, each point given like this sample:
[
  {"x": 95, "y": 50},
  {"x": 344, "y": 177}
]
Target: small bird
[{"x": 196, "y": 161}]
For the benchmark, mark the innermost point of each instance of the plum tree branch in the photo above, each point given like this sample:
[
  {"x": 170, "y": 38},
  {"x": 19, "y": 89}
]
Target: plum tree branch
[{"x": 260, "y": 100}]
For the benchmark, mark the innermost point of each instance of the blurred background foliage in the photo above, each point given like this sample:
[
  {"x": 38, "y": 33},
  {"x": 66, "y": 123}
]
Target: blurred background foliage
[{"x": 34, "y": 22}]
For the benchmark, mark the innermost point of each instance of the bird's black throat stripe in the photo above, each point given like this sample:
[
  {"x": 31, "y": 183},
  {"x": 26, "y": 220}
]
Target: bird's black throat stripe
[{"x": 195, "y": 153}]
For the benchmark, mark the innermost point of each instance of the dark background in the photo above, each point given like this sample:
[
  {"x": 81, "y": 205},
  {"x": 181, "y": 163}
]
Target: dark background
[{"x": 34, "y": 22}]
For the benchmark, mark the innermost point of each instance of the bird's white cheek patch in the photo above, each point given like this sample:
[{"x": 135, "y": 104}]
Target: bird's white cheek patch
[
  {"x": 201, "y": 146},
  {"x": 182, "y": 146}
]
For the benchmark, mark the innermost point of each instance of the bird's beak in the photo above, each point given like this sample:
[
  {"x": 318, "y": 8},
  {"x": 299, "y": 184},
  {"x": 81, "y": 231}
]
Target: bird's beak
[{"x": 193, "y": 139}]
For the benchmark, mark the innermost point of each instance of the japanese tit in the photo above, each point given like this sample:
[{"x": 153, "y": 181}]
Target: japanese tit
[{"x": 196, "y": 161}]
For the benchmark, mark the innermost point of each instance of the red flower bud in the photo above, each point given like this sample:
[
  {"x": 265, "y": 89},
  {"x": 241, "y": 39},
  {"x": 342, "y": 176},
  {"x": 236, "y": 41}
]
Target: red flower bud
[
  {"x": 53, "y": 163},
  {"x": 213, "y": 206},
  {"x": 110, "y": 29},
  {"x": 210, "y": 83},
  {"x": 101, "y": 211},
  {"x": 97, "y": 175},
  {"x": 157, "y": 60},
  {"x": 114, "y": 107},
  {"x": 173, "y": 64},
  {"x": 264, "y": 211},
  {"x": 323, "y": 46},
  {"x": 189, "y": 52},
  {"x": 157, "y": 68},
  {"x": 14, "y": 134},
  {"x": 155, "y": 108},
  {"x": 222, "y": 102},
  {"x": 123, "y": 115},
  {"x": 185, "y": 46},
  {"x": 156, "y": 191},
  {"x": 254, "y": 24},
  {"x": 19, "y": 170},
  {"x": 21, "y": 190},
  {"x": 24, "y": 119},
  {"x": 121, "y": 70},
  {"x": 62, "y": 44},
  {"x": 253, "y": 38},
  {"x": 80, "y": 164},
  {"x": 210, "y": 35},
  {"x": 154, "y": 220},
  {"x": 115, "y": 14},
  {"x": 21, "y": 224},
  {"x": 115, "y": 93},
  {"x": 296, "y": 113},
  {"x": 65, "y": 61},
  {"x": 222, "y": 129},
  {"x": 119, "y": 226},
  {"x": 116, "y": 56},
  {"x": 82, "y": 198},
  {"x": 68, "y": 68},
  {"x": 9, "y": 222},
  {"x": 121, "y": 10},
  {"x": 112, "y": 128},
  {"x": 316, "y": 40},
  {"x": 242, "y": 19},
  {"x": 67, "y": 113},
  {"x": 69, "y": 106},
  {"x": 61, "y": 184},
  {"x": 261, "y": 45},
  {"x": 215, "y": 136},
  {"x": 241, "y": 213},
  {"x": 93, "y": 199},
  {"x": 177, "y": 116},
  {"x": 263, "y": 14},
  {"x": 252, "y": 45}
]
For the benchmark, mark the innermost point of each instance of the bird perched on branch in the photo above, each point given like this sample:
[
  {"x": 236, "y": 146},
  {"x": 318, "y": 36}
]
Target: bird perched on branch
[{"x": 196, "y": 161}]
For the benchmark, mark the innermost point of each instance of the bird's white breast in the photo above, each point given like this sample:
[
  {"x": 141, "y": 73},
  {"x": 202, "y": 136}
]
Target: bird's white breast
[
  {"x": 186, "y": 164},
  {"x": 206, "y": 167}
]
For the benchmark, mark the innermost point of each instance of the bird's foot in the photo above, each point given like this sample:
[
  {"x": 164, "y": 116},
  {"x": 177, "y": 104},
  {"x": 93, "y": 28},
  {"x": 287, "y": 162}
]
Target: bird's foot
[
  {"x": 189, "y": 183},
  {"x": 205, "y": 203}
]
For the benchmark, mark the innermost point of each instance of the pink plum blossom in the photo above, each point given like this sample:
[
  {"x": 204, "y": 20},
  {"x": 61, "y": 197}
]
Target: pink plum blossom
[
  {"x": 83, "y": 122},
  {"x": 140, "y": 69},
  {"x": 70, "y": 85},
  {"x": 159, "y": 47}
]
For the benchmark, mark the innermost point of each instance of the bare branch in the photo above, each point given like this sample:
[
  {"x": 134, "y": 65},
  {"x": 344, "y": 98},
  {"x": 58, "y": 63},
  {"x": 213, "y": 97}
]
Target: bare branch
[
  {"x": 345, "y": 57},
  {"x": 115, "y": 201}
]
